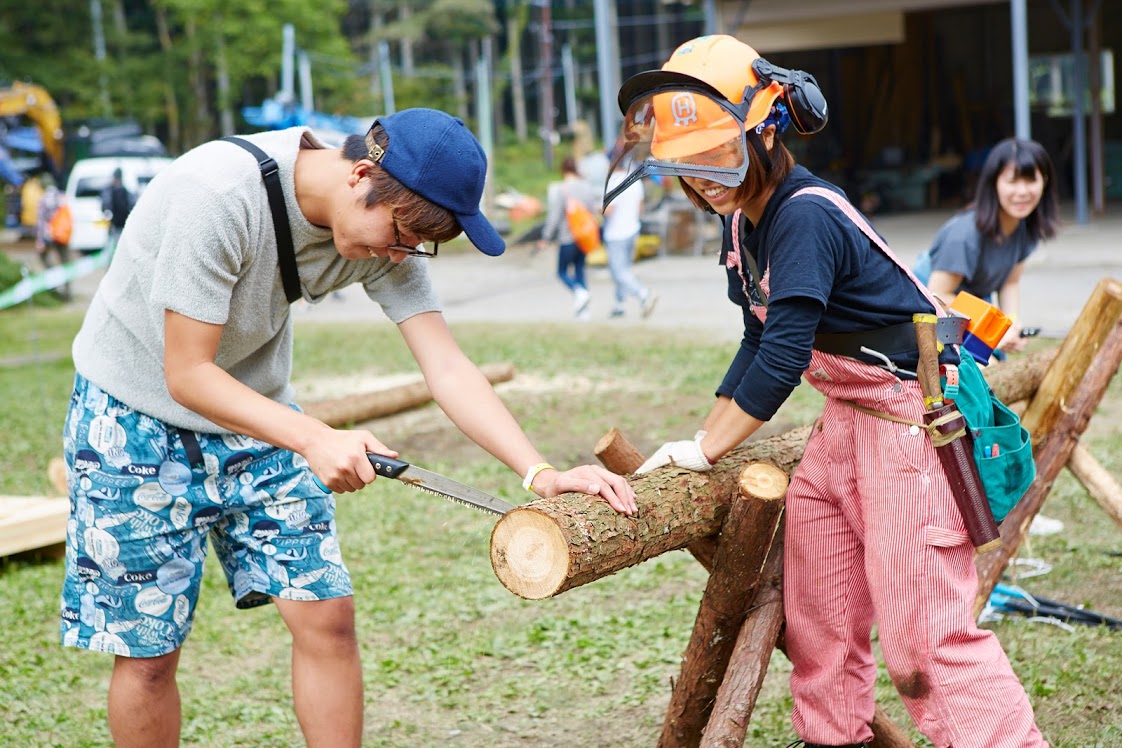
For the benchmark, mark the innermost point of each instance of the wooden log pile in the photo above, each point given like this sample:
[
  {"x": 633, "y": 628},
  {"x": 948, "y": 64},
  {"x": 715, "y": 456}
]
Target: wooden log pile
[{"x": 553, "y": 545}]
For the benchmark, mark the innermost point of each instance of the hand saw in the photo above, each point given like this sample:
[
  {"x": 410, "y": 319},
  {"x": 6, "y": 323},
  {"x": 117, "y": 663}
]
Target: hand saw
[{"x": 388, "y": 467}]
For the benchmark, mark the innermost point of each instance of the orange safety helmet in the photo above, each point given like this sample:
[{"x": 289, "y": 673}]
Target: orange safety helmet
[
  {"x": 697, "y": 115},
  {"x": 686, "y": 123}
]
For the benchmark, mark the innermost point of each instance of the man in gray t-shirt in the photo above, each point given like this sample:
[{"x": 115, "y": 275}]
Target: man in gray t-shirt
[{"x": 182, "y": 430}]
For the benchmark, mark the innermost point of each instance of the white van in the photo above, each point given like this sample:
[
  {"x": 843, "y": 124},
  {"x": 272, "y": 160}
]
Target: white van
[{"x": 89, "y": 179}]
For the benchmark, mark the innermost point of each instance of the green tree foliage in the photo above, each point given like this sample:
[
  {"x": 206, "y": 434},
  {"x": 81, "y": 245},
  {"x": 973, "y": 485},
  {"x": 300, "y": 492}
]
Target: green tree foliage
[{"x": 165, "y": 59}]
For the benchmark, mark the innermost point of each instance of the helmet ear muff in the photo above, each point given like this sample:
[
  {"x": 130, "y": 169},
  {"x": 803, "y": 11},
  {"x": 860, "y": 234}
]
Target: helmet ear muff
[{"x": 801, "y": 94}]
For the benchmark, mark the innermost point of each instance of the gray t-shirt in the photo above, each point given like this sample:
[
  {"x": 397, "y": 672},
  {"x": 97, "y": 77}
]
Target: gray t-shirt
[
  {"x": 200, "y": 242},
  {"x": 983, "y": 264}
]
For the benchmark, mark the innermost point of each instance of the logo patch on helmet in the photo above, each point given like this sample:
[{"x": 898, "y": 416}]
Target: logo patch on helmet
[{"x": 684, "y": 109}]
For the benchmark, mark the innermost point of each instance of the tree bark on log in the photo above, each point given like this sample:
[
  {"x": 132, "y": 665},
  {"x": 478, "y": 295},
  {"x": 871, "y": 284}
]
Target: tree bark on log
[
  {"x": 552, "y": 545},
  {"x": 1095, "y": 322},
  {"x": 742, "y": 546},
  {"x": 619, "y": 455},
  {"x": 748, "y": 663},
  {"x": 367, "y": 406},
  {"x": 1100, "y": 484},
  {"x": 1054, "y": 451}
]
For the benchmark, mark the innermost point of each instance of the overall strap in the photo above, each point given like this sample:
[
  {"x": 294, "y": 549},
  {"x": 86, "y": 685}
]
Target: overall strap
[
  {"x": 286, "y": 256},
  {"x": 853, "y": 215},
  {"x": 747, "y": 260}
]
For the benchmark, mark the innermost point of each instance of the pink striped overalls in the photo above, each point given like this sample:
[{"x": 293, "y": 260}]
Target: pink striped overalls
[{"x": 874, "y": 535}]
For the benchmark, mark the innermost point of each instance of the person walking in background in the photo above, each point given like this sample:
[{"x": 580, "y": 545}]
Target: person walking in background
[
  {"x": 570, "y": 258},
  {"x": 117, "y": 202},
  {"x": 983, "y": 249},
  {"x": 182, "y": 433},
  {"x": 873, "y": 534},
  {"x": 622, "y": 223},
  {"x": 53, "y": 226}
]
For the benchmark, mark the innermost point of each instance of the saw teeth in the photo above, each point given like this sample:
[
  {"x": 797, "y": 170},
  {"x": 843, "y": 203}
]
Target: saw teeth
[{"x": 451, "y": 498}]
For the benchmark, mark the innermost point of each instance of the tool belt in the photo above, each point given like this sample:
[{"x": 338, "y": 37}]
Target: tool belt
[{"x": 938, "y": 438}]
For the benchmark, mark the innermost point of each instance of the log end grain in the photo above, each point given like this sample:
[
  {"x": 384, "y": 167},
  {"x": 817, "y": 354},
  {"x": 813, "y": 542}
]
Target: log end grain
[
  {"x": 529, "y": 553},
  {"x": 763, "y": 481}
]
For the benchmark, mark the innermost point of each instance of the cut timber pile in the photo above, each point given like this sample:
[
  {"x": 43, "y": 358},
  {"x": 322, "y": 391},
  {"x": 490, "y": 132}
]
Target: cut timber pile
[
  {"x": 30, "y": 522},
  {"x": 552, "y": 545}
]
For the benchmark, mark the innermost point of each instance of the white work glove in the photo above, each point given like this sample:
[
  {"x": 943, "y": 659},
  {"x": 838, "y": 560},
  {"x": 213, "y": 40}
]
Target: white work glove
[{"x": 683, "y": 454}]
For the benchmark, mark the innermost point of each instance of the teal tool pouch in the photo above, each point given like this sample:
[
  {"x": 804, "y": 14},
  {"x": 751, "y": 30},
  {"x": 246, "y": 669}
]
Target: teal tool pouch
[{"x": 1002, "y": 447}]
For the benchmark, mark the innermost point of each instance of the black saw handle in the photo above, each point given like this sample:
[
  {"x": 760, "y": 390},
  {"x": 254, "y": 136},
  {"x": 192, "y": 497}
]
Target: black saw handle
[{"x": 387, "y": 467}]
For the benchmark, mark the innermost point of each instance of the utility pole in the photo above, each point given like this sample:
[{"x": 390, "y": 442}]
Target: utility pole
[
  {"x": 99, "y": 55},
  {"x": 546, "y": 85}
]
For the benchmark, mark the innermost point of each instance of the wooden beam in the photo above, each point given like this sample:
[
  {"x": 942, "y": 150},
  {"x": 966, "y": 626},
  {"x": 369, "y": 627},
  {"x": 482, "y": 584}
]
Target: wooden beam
[
  {"x": 367, "y": 406},
  {"x": 1053, "y": 451},
  {"x": 1100, "y": 484},
  {"x": 29, "y": 522},
  {"x": 1083, "y": 341},
  {"x": 741, "y": 549}
]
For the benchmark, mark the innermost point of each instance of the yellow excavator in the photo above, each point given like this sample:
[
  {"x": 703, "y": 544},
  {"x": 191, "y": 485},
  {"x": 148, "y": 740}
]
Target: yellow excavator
[{"x": 35, "y": 103}]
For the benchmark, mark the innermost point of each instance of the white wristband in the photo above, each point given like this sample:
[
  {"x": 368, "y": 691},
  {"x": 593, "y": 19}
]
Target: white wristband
[{"x": 528, "y": 481}]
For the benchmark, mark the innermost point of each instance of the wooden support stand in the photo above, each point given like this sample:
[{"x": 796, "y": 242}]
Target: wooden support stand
[
  {"x": 552, "y": 545},
  {"x": 742, "y": 546}
]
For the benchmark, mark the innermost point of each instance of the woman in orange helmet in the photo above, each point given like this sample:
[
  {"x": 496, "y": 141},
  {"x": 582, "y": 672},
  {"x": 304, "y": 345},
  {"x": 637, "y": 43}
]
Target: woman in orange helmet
[{"x": 873, "y": 533}]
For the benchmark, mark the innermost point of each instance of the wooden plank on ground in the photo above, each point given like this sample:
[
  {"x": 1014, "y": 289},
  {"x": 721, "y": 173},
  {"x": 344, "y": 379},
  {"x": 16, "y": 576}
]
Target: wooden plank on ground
[{"x": 30, "y": 522}]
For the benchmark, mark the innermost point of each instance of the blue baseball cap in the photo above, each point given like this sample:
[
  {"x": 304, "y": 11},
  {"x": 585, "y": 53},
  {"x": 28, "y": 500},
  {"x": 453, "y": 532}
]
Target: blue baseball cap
[{"x": 435, "y": 155}]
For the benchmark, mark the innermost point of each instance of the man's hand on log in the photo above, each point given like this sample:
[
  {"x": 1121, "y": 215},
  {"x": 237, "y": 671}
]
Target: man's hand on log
[
  {"x": 590, "y": 479},
  {"x": 683, "y": 454}
]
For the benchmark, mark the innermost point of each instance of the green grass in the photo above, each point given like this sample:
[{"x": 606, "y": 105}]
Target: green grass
[{"x": 450, "y": 657}]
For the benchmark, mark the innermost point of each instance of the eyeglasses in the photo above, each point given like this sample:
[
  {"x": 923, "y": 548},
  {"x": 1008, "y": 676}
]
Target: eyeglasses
[{"x": 417, "y": 251}]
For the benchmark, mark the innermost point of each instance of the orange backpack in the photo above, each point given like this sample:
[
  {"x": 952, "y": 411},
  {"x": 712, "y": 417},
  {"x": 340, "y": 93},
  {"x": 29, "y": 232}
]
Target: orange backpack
[
  {"x": 583, "y": 225},
  {"x": 61, "y": 225}
]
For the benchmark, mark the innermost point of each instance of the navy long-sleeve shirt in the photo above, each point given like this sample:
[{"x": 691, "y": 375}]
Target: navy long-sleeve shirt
[{"x": 825, "y": 276}]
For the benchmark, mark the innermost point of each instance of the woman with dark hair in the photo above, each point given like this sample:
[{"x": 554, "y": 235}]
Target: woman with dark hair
[
  {"x": 983, "y": 250},
  {"x": 873, "y": 534}
]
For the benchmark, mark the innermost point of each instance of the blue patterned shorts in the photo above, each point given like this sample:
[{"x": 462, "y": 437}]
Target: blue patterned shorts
[{"x": 144, "y": 499}]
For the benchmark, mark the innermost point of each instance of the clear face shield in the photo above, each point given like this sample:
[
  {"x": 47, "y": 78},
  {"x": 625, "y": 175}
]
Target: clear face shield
[{"x": 678, "y": 131}]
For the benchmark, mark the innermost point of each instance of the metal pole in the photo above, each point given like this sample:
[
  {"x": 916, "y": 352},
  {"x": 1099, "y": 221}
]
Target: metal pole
[
  {"x": 546, "y": 83},
  {"x": 1079, "y": 140},
  {"x": 288, "y": 52},
  {"x": 484, "y": 114},
  {"x": 387, "y": 76},
  {"x": 713, "y": 18},
  {"x": 568, "y": 74},
  {"x": 99, "y": 55},
  {"x": 1018, "y": 17},
  {"x": 606, "y": 42},
  {"x": 307, "y": 101}
]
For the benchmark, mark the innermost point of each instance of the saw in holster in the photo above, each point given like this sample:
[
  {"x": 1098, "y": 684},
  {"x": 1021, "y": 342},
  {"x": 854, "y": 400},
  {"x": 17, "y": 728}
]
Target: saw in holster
[{"x": 953, "y": 442}]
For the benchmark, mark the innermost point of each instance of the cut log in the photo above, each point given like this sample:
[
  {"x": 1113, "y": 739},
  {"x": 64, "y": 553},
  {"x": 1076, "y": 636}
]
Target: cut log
[
  {"x": 1055, "y": 448},
  {"x": 1095, "y": 322},
  {"x": 1100, "y": 484},
  {"x": 552, "y": 545},
  {"x": 619, "y": 455},
  {"x": 741, "y": 549},
  {"x": 341, "y": 411}
]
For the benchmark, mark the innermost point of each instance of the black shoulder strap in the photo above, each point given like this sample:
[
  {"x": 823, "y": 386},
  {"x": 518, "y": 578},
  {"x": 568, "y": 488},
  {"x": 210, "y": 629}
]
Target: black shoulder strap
[{"x": 286, "y": 256}]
